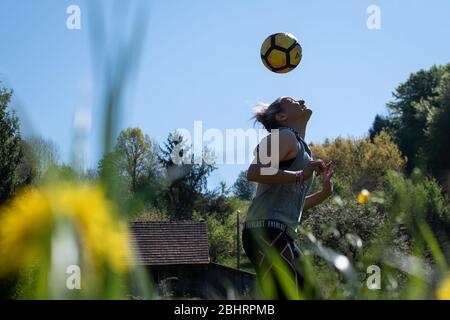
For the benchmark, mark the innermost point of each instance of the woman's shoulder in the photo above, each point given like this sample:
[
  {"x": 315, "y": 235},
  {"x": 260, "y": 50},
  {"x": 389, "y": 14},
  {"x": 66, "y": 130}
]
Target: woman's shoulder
[
  {"x": 286, "y": 137},
  {"x": 286, "y": 132},
  {"x": 291, "y": 133}
]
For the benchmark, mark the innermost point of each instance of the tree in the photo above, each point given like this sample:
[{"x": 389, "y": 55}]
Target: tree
[
  {"x": 242, "y": 188},
  {"x": 62, "y": 171},
  {"x": 10, "y": 147},
  {"x": 38, "y": 156},
  {"x": 220, "y": 238},
  {"x": 439, "y": 134},
  {"x": 360, "y": 163},
  {"x": 46, "y": 153},
  {"x": 213, "y": 203},
  {"x": 224, "y": 189},
  {"x": 187, "y": 176},
  {"x": 380, "y": 123},
  {"x": 417, "y": 103},
  {"x": 27, "y": 172},
  {"x": 133, "y": 159}
]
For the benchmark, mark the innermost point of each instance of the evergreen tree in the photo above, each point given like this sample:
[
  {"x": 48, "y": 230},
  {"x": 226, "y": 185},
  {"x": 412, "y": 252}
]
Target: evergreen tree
[
  {"x": 242, "y": 188},
  {"x": 187, "y": 176},
  {"x": 10, "y": 147},
  {"x": 418, "y": 102}
]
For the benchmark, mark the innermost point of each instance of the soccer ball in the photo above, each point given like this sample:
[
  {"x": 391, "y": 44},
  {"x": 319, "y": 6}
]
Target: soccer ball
[{"x": 281, "y": 52}]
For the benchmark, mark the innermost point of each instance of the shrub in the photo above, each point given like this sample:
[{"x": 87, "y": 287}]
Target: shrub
[
  {"x": 344, "y": 225},
  {"x": 360, "y": 163},
  {"x": 419, "y": 200},
  {"x": 221, "y": 239}
]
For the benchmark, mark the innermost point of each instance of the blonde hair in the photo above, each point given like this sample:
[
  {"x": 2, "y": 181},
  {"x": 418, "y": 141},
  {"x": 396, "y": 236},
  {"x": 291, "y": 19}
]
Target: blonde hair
[{"x": 265, "y": 114}]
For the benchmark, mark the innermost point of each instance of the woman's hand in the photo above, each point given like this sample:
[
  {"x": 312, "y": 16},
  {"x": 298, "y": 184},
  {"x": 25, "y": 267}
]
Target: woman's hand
[
  {"x": 317, "y": 166},
  {"x": 327, "y": 188},
  {"x": 327, "y": 184}
]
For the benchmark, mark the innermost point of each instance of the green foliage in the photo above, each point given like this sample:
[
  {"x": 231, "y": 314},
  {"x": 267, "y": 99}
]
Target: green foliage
[
  {"x": 221, "y": 236},
  {"x": 133, "y": 159},
  {"x": 27, "y": 172},
  {"x": 360, "y": 163},
  {"x": 242, "y": 188},
  {"x": 136, "y": 160},
  {"x": 419, "y": 200},
  {"x": 439, "y": 132},
  {"x": 344, "y": 225},
  {"x": 381, "y": 123},
  {"x": 64, "y": 171},
  {"x": 222, "y": 233},
  {"x": 45, "y": 152},
  {"x": 38, "y": 157},
  {"x": 150, "y": 214},
  {"x": 133, "y": 164},
  {"x": 240, "y": 205},
  {"x": 213, "y": 203},
  {"x": 10, "y": 147},
  {"x": 186, "y": 176},
  {"x": 403, "y": 229},
  {"x": 149, "y": 179},
  {"x": 417, "y": 116}
]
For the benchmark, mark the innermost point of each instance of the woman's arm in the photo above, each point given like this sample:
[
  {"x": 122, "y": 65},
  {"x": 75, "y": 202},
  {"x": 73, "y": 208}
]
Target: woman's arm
[
  {"x": 315, "y": 199},
  {"x": 327, "y": 189},
  {"x": 280, "y": 177},
  {"x": 268, "y": 173}
]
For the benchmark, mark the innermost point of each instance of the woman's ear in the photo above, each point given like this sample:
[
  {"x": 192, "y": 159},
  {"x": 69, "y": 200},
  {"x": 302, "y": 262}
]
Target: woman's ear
[{"x": 281, "y": 116}]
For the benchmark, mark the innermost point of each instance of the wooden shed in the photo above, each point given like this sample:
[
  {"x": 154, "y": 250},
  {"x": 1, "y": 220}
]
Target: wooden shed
[{"x": 176, "y": 254}]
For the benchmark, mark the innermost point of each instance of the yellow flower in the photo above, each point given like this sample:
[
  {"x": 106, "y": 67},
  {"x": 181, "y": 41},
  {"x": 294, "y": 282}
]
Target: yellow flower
[
  {"x": 443, "y": 291},
  {"x": 27, "y": 222},
  {"x": 363, "y": 196}
]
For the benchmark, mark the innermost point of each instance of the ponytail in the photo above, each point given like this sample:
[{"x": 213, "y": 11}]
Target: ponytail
[{"x": 265, "y": 114}]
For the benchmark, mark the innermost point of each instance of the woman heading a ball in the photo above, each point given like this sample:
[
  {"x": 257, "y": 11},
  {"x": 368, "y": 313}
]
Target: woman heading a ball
[{"x": 284, "y": 170}]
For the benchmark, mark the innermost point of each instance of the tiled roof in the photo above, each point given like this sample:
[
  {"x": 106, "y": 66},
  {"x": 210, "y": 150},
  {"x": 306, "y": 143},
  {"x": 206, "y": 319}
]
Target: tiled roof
[{"x": 166, "y": 243}]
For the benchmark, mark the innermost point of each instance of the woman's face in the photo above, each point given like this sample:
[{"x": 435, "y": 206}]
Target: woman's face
[{"x": 295, "y": 110}]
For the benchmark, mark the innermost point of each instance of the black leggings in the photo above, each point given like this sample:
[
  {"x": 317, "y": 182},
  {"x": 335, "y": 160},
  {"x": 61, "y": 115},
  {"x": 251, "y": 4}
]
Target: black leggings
[{"x": 257, "y": 243}]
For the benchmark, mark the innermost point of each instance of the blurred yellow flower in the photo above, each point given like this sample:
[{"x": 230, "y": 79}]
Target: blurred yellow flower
[
  {"x": 443, "y": 291},
  {"x": 27, "y": 222},
  {"x": 363, "y": 196}
]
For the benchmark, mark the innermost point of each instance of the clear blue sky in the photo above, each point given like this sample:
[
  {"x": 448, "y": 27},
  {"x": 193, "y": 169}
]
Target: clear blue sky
[{"x": 201, "y": 62}]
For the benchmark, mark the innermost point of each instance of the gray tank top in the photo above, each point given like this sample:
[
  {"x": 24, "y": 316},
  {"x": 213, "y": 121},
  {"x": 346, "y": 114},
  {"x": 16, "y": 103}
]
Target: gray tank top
[{"x": 284, "y": 202}]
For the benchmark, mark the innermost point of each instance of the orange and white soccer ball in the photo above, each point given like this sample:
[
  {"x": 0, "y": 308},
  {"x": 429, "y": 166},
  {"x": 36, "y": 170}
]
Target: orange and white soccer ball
[{"x": 281, "y": 52}]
